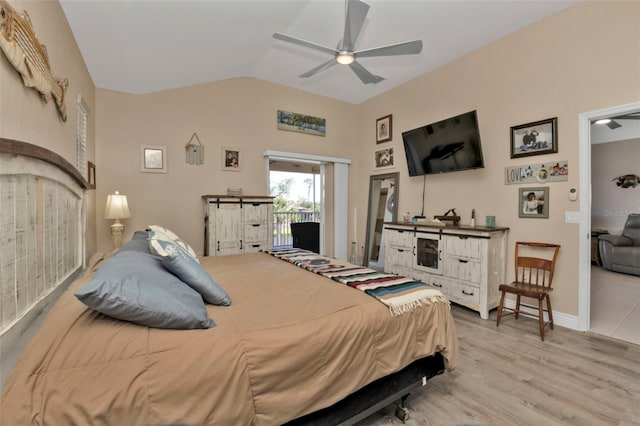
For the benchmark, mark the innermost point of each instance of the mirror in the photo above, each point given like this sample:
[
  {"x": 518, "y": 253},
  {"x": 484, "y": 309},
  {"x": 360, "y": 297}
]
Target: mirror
[{"x": 383, "y": 207}]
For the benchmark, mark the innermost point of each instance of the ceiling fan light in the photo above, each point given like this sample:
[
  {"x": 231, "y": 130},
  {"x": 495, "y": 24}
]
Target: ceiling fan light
[
  {"x": 345, "y": 58},
  {"x": 603, "y": 121}
]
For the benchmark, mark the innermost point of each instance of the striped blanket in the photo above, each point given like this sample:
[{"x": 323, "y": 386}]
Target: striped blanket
[{"x": 400, "y": 294}]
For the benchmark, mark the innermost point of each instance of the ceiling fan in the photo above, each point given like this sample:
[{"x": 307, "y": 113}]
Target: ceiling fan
[
  {"x": 613, "y": 124},
  {"x": 345, "y": 54}
]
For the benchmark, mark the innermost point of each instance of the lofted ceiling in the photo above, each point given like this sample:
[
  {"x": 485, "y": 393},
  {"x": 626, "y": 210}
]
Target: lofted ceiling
[{"x": 142, "y": 46}]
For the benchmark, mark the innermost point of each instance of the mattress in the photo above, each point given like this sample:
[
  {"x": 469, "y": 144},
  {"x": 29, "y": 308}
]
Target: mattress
[{"x": 291, "y": 343}]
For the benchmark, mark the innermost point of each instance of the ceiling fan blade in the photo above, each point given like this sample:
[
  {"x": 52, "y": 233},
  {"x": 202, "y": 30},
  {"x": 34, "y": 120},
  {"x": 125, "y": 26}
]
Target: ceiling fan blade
[
  {"x": 356, "y": 14},
  {"x": 301, "y": 42},
  {"x": 406, "y": 48},
  {"x": 331, "y": 62},
  {"x": 364, "y": 75},
  {"x": 613, "y": 124}
]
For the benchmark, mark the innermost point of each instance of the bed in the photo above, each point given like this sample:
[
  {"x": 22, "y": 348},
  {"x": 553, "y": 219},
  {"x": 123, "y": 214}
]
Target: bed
[{"x": 293, "y": 347}]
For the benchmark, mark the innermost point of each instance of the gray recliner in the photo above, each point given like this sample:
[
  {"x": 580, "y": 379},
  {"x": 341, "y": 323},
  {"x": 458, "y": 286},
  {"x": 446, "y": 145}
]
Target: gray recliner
[{"x": 621, "y": 253}]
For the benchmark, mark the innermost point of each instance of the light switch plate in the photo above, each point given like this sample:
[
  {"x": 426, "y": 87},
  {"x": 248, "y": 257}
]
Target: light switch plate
[{"x": 571, "y": 217}]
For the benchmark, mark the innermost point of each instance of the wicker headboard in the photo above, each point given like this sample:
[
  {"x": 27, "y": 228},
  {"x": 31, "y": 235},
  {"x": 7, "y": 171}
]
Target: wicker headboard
[{"x": 42, "y": 227}]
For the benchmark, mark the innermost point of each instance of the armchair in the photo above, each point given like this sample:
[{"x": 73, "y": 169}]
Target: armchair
[{"x": 621, "y": 253}]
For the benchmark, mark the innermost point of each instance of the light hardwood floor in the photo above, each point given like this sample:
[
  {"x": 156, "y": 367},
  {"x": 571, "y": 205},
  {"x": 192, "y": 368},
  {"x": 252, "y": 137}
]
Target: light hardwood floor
[{"x": 508, "y": 376}]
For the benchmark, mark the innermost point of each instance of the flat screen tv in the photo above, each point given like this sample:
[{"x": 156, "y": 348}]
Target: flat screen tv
[{"x": 449, "y": 145}]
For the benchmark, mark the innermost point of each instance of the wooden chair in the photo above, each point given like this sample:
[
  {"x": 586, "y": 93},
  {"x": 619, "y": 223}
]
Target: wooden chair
[{"x": 534, "y": 276}]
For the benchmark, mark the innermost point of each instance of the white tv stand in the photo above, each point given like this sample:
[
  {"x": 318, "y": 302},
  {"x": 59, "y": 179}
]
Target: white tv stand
[{"x": 466, "y": 263}]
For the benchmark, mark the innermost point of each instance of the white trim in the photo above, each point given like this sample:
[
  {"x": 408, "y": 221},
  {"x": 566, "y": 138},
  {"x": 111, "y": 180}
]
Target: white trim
[
  {"x": 340, "y": 209},
  {"x": 559, "y": 318},
  {"x": 284, "y": 155},
  {"x": 584, "y": 262}
]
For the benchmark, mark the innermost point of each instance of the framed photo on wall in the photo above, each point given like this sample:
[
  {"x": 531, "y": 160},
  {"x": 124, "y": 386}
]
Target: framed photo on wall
[
  {"x": 91, "y": 173},
  {"x": 231, "y": 160},
  {"x": 383, "y": 158},
  {"x": 540, "y": 137},
  {"x": 153, "y": 159},
  {"x": 533, "y": 203},
  {"x": 384, "y": 129}
]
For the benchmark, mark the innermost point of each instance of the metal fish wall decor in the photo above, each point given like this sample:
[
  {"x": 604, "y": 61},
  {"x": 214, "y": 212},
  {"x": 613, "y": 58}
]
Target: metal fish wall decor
[{"x": 22, "y": 48}]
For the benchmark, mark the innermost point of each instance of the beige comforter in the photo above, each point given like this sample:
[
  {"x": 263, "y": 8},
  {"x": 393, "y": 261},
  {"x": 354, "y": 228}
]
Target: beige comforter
[{"x": 292, "y": 342}]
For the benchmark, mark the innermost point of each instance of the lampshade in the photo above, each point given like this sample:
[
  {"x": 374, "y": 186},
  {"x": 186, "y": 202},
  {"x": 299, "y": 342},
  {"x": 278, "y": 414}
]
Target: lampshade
[{"x": 117, "y": 207}]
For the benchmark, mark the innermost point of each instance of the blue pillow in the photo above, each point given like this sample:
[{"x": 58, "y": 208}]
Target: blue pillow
[
  {"x": 135, "y": 287},
  {"x": 137, "y": 243},
  {"x": 185, "y": 267}
]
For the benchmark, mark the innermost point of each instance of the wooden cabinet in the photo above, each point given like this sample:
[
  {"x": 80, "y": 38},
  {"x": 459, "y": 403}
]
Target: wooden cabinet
[
  {"x": 471, "y": 261},
  {"x": 237, "y": 224}
]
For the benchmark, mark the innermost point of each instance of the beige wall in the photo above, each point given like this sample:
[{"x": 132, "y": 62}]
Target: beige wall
[
  {"x": 239, "y": 113},
  {"x": 23, "y": 114},
  {"x": 583, "y": 59},
  {"x": 611, "y": 204}
]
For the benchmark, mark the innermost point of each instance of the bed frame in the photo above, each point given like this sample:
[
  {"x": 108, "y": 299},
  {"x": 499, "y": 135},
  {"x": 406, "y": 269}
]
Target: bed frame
[
  {"x": 42, "y": 197},
  {"x": 394, "y": 388}
]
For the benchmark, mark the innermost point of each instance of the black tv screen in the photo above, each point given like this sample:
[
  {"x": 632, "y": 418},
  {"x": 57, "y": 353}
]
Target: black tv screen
[{"x": 448, "y": 145}]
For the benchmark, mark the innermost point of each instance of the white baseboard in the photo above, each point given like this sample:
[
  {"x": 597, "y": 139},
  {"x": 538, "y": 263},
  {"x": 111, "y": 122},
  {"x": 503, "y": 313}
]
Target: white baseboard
[{"x": 559, "y": 318}]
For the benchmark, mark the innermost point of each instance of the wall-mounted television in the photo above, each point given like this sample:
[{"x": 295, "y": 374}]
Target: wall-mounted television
[{"x": 449, "y": 145}]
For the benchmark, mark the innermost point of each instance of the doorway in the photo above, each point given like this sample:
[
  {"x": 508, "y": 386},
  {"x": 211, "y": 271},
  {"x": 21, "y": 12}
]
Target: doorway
[
  {"x": 296, "y": 188},
  {"x": 586, "y": 200}
]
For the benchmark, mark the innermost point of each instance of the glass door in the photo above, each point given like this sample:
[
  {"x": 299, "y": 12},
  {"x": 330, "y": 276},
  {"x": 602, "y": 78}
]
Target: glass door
[{"x": 428, "y": 252}]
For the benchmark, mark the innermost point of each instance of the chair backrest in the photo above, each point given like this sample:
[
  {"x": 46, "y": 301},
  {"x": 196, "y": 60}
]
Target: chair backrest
[
  {"x": 632, "y": 228},
  {"x": 536, "y": 270},
  {"x": 306, "y": 235}
]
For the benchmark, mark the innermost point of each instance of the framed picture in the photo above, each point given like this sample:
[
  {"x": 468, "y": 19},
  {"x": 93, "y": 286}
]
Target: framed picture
[
  {"x": 153, "y": 159},
  {"x": 231, "y": 160},
  {"x": 301, "y": 123},
  {"x": 533, "y": 203},
  {"x": 540, "y": 137},
  {"x": 383, "y": 158},
  {"x": 383, "y": 129},
  {"x": 91, "y": 173}
]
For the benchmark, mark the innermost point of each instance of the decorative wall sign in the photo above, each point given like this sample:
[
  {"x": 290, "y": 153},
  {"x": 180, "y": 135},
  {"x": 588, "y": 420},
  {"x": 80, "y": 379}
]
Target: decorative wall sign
[
  {"x": 153, "y": 159},
  {"x": 29, "y": 57},
  {"x": 294, "y": 122},
  {"x": 533, "y": 202},
  {"x": 384, "y": 129},
  {"x": 194, "y": 151},
  {"x": 542, "y": 172},
  {"x": 540, "y": 137}
]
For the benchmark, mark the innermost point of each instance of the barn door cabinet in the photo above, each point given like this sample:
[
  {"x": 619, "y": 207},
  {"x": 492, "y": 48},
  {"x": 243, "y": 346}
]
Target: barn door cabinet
[
  {"x": 466, "y": 263},
  {"x": 237, "y": 224}
]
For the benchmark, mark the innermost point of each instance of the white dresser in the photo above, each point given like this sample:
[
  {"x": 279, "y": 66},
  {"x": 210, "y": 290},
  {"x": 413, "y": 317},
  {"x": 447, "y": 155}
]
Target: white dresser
[
  {"x": 237, "y": 224},
  {"x": 468, "y": 264}
]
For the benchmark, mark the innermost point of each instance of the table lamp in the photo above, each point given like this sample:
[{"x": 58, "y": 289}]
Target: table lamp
[{"x": 117, "y": 208}]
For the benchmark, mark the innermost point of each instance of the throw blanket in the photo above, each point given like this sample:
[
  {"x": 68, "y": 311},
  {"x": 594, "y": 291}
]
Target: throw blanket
[{"x": 400, "y": 294}]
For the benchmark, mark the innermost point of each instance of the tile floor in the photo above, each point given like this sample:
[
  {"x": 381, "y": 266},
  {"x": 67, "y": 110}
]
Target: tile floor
[{"x": 615, "y": 305}]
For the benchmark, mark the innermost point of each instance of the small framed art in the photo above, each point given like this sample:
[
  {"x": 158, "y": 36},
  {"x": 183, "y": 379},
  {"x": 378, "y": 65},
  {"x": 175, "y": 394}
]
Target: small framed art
[
  {"x": 91, "y": 173},
  {"x": 153, "y": 159},
  {"x": 533, "y": 203},
  {"x": 383, "y": 129},
  {"x": 540, "y": 137},
  {"x": 383, "y": 158},
  {"x": 231, "y": 160}
]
